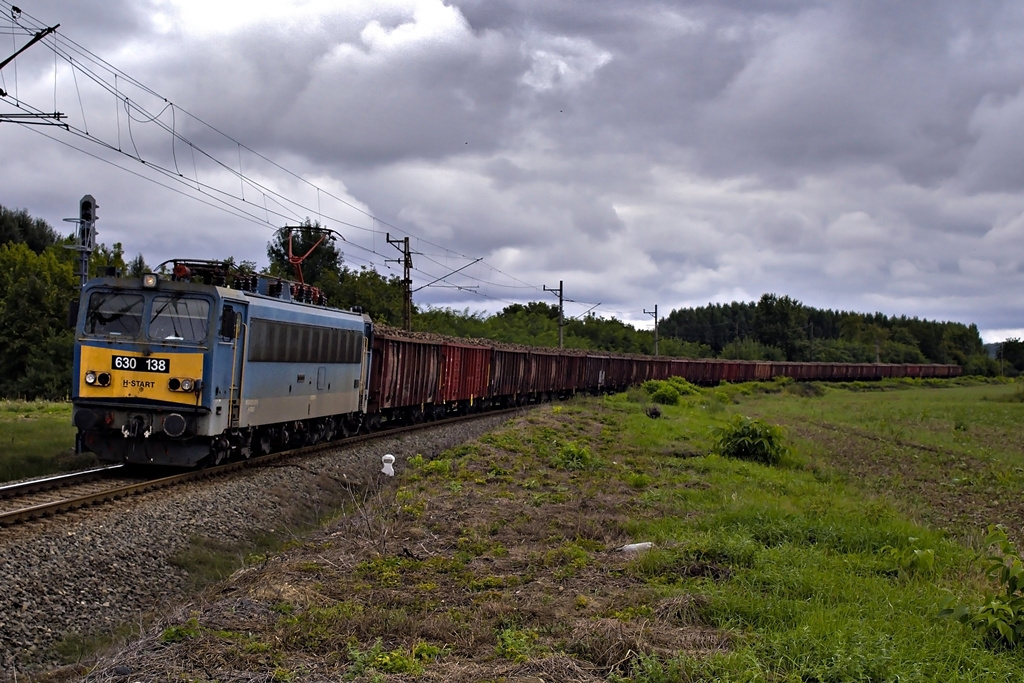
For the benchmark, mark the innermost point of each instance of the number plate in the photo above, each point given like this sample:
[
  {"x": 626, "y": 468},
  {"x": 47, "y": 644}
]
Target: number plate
[{"x": 140, "y": 364}]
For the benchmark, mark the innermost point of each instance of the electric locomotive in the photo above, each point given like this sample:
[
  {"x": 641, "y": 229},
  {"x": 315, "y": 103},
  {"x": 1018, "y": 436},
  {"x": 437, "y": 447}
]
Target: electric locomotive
[{"x": 208, "y": 364}]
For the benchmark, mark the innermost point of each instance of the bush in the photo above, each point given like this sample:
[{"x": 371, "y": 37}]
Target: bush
[
  {"x": 683, "y": 386},
  {"x": 805, "y": 389},
  {"x": 666, "y": 394},
  {"x": 1000, "y": 620},
  {"x": 750, "y": 439},
  {"x": 574, "y": 456}
]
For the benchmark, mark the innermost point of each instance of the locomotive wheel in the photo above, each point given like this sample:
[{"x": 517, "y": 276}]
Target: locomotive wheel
[
  {"x": 265, "y": 441},
  {"x": 315, "y": 432},
  {"x": 330, "y": 428}
]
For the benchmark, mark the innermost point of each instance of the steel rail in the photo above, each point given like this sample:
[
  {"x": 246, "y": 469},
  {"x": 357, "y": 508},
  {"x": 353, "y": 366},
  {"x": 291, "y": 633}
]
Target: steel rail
[
  {"x": 22, "y": 515},
  {"x": 55, "y": 482}
]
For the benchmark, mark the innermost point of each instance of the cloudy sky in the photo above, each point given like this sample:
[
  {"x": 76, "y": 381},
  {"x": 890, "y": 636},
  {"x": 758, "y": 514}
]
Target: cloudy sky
[{"x": 856, "y": 155}]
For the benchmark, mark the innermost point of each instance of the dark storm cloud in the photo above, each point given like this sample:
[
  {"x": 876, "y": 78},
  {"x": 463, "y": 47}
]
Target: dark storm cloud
[
  {"x": 371, "y": 90},
  {"x": 856, "y": 155},
  {"x": 96, "y": 25},
  {"x": 850, "y": 84}
]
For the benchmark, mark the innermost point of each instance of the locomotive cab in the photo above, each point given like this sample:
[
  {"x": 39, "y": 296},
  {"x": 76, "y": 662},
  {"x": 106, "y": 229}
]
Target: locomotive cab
[{"x": 139, "y": 369}]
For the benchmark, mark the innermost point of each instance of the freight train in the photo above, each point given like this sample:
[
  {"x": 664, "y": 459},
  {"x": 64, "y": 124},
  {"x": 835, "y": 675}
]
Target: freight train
[{"x": 208, "y": 364}]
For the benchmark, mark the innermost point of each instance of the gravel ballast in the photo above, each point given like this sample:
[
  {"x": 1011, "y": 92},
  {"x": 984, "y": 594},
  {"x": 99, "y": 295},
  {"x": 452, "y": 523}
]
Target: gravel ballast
[{"x": 99, "y": 569}]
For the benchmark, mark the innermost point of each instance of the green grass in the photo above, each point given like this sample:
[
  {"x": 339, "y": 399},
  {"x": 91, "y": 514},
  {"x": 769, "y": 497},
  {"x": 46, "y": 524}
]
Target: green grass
[
  {"x": 37, "y": 438},
  {"x": 979, "y": 421},
  {"x": 825, "y": 583},
  {"x": 830, "y": 565}
]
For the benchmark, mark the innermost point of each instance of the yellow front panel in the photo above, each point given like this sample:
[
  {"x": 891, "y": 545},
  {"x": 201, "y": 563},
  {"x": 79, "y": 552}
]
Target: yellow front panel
[{"x": 130, "y": 378}]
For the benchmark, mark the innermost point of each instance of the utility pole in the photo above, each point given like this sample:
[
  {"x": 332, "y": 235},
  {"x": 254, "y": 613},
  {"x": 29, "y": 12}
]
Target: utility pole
[
  {"x": 560, "y": 315},
  {"x": 86, "y": 240},
  {"x": 655, "y": 314},
  {"x": 406, "y": 262}
]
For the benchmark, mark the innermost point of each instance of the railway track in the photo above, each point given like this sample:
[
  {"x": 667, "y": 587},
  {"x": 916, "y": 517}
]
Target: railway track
[
  {"x": 25, "y": 501},
  {"x": 52, "y": 496},
  {"x": 55, "y": 482}
]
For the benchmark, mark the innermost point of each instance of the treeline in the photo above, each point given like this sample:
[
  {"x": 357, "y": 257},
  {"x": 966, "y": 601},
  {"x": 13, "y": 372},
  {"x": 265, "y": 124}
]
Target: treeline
[
  {"x": 37, "y": 285},
  {"x": 536, "y": 324},
  {"x": 781, "y": 328}
]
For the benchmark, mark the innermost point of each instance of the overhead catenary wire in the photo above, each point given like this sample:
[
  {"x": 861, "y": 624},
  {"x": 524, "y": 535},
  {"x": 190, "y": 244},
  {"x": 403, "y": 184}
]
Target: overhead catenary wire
[
  {"x": 271, "y": 203},
  {"x": 200, "y": 185}
]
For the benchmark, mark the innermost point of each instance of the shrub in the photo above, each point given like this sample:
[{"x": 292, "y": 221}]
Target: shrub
[
  {"x": 683, "y": 386},
  {"x": 750, "y": 439},
  {"x": 516, "y": 645},
  {"x": 379, "y": 659},
  {"x": 574, "y": 456},
  {"x": 1000, "y": 620},
  {"x": 176, "y": 634},
  {"x": 805, "y": 389},
  {"x": 666, "y": 395}
]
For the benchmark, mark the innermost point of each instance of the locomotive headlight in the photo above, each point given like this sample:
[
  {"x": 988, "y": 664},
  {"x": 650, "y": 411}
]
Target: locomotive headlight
[
  {"x": 149, "y": 280},
  {"x": 90, "y": 377},
  {"x": 103, "y": 379},
  {"x": 186, "y": 385}
]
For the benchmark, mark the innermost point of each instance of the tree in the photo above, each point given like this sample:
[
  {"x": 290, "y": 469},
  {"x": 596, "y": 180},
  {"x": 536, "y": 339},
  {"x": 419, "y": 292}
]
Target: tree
[
  {"x": 1013, "y": 353},
  {"x": 107, "y": 261},
  {"x": 780, "y": 322},
  {"x": 136, "y": 267},
  {"x": 380, "y": 297},
  {"x": 36, "y": 347},
  {"x": 20, "y": 227},
  {"x": 453, "y": 323},
  {"x": 748, "y": 349},
  {"x": 310, "y": 246},
  {"x": 962, "y": 342},
  {"x": 533, "y": 308}
]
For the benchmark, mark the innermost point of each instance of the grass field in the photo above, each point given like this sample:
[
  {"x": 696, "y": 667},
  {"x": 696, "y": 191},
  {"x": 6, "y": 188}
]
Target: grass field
[
  {"x": 36, "y": 438},
  {"x": 498, "y": 562}
]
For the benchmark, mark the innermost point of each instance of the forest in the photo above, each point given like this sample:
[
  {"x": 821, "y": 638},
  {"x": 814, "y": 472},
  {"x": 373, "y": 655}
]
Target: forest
[{"x": 37, "y": 286}]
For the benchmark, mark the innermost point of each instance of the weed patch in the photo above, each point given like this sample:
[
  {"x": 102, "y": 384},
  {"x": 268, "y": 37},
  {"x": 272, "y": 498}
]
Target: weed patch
[{"x": 751, "y": 439}]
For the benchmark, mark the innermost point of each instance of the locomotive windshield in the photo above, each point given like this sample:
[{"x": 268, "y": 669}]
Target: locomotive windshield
[
  {"x": 114, "y": 314},
  {"x": 177, "y": 318}
]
